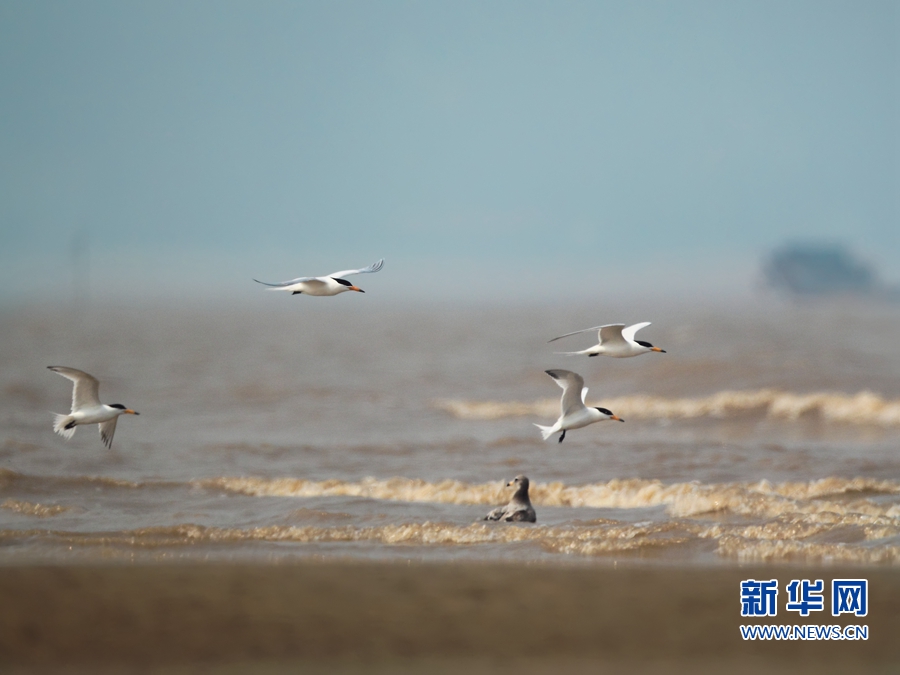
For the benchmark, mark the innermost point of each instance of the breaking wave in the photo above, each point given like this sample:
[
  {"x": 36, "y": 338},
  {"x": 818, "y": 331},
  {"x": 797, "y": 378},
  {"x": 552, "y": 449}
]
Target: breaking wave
[
  {"x": 34, "y": 509},
  {"x": 848, "y": 497},
  {"x": 10, "y": 477},
  {"x": 393, "y": 489},
  {"x": 760, "y": 499},
  {"x": 608, "y": 537},
  {"x": 864, "y": 407},
  {"x": 775, "y": 550},
  {"x": 851, "y": 520},
  {"x": 773, "y": 542}
]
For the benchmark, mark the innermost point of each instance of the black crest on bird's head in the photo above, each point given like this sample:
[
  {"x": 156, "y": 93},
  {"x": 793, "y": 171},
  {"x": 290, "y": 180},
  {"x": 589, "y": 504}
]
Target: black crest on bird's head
[
  {"x": 342, "y": 281},
  {"x": 605, "y": 411},
  {"x": 644, "y": 344},
  {"x": 117, "y": 405}
]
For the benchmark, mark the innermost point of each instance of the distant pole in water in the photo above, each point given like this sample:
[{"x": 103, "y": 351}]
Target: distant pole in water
[{"x": 81, "y": 269}]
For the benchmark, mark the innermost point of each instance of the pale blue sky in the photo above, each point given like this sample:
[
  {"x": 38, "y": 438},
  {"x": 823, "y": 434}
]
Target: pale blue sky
[{"x": 672, "y": 143}]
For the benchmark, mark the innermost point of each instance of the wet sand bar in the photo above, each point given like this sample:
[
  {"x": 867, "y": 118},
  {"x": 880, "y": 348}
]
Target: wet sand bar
[{"x": 343, "y": 617}]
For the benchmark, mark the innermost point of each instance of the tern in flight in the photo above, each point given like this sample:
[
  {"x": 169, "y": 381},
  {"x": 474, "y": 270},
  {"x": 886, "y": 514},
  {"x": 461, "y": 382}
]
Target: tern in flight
[
  {"x": 574, "y": 414},
  {"x": 86, "y": 407},
  {"x": 330, "y": 284},
  {"x": 615, "y": 340}
]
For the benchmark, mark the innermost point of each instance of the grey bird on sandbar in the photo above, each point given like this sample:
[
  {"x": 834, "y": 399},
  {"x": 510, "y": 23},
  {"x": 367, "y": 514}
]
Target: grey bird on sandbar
[{"x": 519, "y": 508}]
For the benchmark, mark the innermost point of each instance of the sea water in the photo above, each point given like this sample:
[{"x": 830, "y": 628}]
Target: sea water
[{"x": 350, "y": 427}]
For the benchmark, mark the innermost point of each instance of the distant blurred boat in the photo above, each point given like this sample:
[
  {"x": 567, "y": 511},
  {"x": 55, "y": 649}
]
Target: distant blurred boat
[{"x": 811, "y": 269}]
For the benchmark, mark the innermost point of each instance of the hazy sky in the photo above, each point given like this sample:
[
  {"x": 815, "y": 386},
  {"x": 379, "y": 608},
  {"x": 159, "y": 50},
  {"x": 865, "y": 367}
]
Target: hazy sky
[{"x": 545, "y": 147}]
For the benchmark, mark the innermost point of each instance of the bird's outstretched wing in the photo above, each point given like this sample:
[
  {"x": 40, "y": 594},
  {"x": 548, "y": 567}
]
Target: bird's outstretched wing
[
  {"x": 628, "y": 333},
  {"x": 86, "y": 392},
  {"x": 573, "y": 389},
  {"x": 587, "y": 330},
  {"x": 282, "y": 284},
  {"x": 611, "y": 334},
  {"x": 374, "y": 267},
  {"x": 107, "y": 431}
]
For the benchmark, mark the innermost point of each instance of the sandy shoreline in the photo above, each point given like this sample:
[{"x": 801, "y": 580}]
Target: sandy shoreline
[{"x": 345, "y": 616}]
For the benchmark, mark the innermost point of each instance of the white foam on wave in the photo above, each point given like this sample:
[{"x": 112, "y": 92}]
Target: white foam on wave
[
  {"x": 758, "y": 499},
  {"x": 34, "y": 508},
  {"x": 783, "y": 540},
  {"x": 864, "y": 407},
  {"x": 584, "y": 540},
  {"x": 787, "y": 550}
]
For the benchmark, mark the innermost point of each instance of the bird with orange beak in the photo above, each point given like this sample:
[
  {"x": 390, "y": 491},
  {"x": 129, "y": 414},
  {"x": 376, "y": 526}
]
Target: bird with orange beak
[
  {"x": 574, "y": 414},
  {"x": 616, "y": 341},
  {"x": 330, "y": 284},
  {"x": 86, "y": 407}
]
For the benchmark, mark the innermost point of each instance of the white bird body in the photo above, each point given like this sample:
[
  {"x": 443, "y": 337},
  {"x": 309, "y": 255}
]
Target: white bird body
[
  {"x": 574, "y": 414},
  {"x": 615, "y": 340},
  {"x": 87, "y": 408},
  {"x": 330, "y": 284}
]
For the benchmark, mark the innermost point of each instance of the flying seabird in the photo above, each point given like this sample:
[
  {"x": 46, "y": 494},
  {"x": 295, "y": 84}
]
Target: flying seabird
[
  {"x": 615, "y": 340},
  {"x": 330, "y": 284},
  {"x": 86, "y": 407},
  {"x": 519, "y": 508},
  {"x": 574, "y": 414}
]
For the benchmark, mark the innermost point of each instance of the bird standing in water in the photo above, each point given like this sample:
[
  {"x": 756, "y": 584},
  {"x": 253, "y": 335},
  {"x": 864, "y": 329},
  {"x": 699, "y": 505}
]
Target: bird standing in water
[{"x": 519, "y": 508}]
